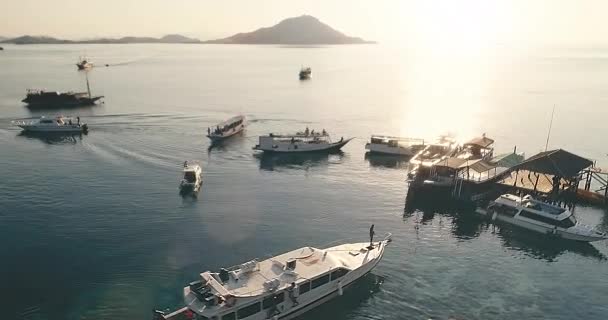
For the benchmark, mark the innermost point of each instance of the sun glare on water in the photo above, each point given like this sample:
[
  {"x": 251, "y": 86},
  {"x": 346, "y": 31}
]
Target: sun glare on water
[{"x": 447, "y": 65}]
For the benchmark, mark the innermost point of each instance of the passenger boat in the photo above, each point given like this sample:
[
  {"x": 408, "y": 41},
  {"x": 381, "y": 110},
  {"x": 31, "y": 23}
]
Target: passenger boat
[
  {"x": 281, "y": 287},
  {"x": 57, "y": 124},
  {"x": 83, "y": 64},
  {"x": 192, "y": 180},
  {"x": 300, "y": 142},
  {"x": 540, "y": 217},
  {"x": 305, "y": 73},
  {"x": 42, "y": 98},
  {"x": 398, "y": 146},
  {"x": 443, "y": 148},
  {"x": 443, "y": 172},
  {"x": 227, "y": 128}
]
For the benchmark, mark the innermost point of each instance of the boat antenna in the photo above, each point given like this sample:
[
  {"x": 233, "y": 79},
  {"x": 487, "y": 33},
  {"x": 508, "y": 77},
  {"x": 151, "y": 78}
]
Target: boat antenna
[
  {"x": 88, "y": 86},
  {"x": 550, "y": 125}
]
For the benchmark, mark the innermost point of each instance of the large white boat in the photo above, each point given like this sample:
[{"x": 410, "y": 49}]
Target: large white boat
[
  {"x": 57, "y": 124},
  {"x": 443, "y": 148},
  {"x": 307, "y": 141},
  {"x": 281, "y": 287},
  {"x": 227, "y": 128},
  {"x": 531, "y": 214},
  {"x": 399, "y": 146},
  {"x": 192, "y": 180}
]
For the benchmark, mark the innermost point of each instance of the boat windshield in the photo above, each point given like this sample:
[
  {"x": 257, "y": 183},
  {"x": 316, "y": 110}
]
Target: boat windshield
[
  {"x": 189, "y": 176},
  {"x": 46, "y": 121}
]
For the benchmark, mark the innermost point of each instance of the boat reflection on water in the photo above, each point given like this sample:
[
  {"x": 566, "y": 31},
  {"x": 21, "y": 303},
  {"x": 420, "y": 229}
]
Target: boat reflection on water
[
  {"x": 544, "y": 247},
  {"x": 387, "y": 161},
  {"x": 302, "y": 161},
  {"x": 360, "y": 291},
  {"x": 466, "y": 224},
  {"x": 53, "y": 137}
]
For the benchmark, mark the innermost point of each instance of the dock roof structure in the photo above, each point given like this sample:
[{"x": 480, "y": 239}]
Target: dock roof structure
[{"x": 557, "y": 162}]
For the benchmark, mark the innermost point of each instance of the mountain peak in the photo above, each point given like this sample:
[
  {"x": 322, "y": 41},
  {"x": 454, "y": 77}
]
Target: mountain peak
[{"x": 302, "y": 30}]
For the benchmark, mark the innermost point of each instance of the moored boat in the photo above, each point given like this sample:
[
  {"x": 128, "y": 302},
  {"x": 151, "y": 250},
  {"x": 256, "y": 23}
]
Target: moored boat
[
  {"x": 282, "y": 287},
  {"x": 300, "y": 142},
  {"x": 227, "y": 128},
  {"x": 529, "y": 213},
  {"x": 57, "y": 124},
  {"x": 398, "y": 146},
  {"x": 192, "y": 179},
  {"x": 305, "y": 73},
  {"x": 434, "y": 152}
]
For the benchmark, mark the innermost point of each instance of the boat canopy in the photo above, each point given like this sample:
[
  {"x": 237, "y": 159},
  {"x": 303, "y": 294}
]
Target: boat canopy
[
  {"x": 482, "y": 142},
  {"x": 452, "y": 163},
  {"x": 479, "y": 165},
  {"x": 557, "y": 162}
]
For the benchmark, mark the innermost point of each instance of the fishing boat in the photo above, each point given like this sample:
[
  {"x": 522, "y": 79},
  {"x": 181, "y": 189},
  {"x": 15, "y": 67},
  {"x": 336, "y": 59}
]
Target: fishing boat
[
  {"x": 307, "y": 141},
  {"x": 398, "y": 146},
  {"x": 83, "y": 63},
  {"x": 36, "y": 98},
  {"x": 227, "y": 128},
  {"x": 539, "y": 216},
  {"x": 192, "y": 177},
  {"x": 57, "y": 124},
  {"x": 305, "y": 73},
  {"x": 281, "y": 287}
]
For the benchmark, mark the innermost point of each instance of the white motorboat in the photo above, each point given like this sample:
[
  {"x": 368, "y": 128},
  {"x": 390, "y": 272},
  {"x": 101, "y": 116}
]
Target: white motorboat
[
  {"x": 227, "y": 128},
  {"x": 431, "y": 154},
  {"x": 281, "y": 287},
  {"x": 535, "y": 215},
  {"x": 192, "y": 179},
  {"x": 307, "y": 141},
  {"x": 57, "y": 124},
  {"x": 399, "y": 146}
]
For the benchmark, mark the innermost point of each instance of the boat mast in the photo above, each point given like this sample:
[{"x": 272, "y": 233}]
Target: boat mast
[
  {"x": 88, "y": 86},
  {"x": 550, "y": 125}
]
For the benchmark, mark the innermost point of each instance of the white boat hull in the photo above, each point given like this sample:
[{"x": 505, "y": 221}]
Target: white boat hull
[
  {"x": 302, "y": 147},
  {"x": 227, "y": 134},
  {"x": 63, "y": 128},
  {"x": 384, "y": 149},
  {"x": 558, "y": 232}
]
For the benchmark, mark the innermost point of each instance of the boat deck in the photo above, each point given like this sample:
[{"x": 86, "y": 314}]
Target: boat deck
[{"x": 310, "y": 262}]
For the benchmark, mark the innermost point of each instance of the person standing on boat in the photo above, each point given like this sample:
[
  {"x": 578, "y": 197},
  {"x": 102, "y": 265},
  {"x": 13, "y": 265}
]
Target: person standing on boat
[
  {"x": 371, "y": 235},
  {"x": 293, "y": 293},
  {"x": 78, "y": 119},
  {"x": 306, "y": 132},
  {"x": 208, "y": 131}
]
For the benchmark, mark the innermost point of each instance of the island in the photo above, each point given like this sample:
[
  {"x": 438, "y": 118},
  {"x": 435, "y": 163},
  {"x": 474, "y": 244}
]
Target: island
[
  {"x": 171, "y": 38},
  {"x": 302, "y": 30}
]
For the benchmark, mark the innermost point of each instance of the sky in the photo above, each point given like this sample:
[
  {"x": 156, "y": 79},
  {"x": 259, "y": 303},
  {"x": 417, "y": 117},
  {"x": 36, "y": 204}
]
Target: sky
[{"x": 469, "y": 22}]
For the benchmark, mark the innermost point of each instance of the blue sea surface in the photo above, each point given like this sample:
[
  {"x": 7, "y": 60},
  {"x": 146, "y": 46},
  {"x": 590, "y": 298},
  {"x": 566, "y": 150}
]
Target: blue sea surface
[{"x": 93, "y": 226}]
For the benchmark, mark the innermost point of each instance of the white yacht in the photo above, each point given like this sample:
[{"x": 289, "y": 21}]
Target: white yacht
[
  {"x": 281, "y": 287},
  {"x": 541, "y": 217},
  {"x": 57, "y": 124},
  {"x": 431, "y": 154},
  {"x": 192, "y": 179},
  {"x": 399, "y": 146},
  {"x": 307, "y": 141},
  {"x": 227, "y": 128}
]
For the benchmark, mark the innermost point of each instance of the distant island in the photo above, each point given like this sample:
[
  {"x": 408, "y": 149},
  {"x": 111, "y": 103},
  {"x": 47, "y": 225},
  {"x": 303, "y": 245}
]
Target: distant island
[
  {"x": 302, "y": 30},
  {"x": 171, "y": 38}
]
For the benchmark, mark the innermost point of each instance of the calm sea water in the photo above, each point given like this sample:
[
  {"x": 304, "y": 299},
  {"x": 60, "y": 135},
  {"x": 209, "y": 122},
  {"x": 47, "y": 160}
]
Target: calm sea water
[{"x": 92, "y": 226}]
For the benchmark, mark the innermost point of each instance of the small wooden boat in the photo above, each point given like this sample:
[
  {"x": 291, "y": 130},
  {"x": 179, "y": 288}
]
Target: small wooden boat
[
  {"x": 305, "y": 73},
  {"x": 300, "y": 142},
  {"x": 192, "y": 179}
]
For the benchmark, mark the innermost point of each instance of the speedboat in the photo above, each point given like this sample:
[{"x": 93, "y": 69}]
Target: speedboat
[
  {"x": 227, "y": 128},
  {"x": 281, "y": 287},
  {"x": 307, "y": 141},
  {"x": 83, "y": 64},
  {"x": 192, "y": 179},
  {"x": 305, "y": 73},
  {"x": 399, "y": 146},
  {"x": 57, "y": 124},
  {"x": 542, "y": 217}
]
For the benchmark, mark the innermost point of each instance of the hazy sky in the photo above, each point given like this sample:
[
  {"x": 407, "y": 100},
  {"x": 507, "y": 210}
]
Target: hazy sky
[{"x": 394, "y": 21}]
